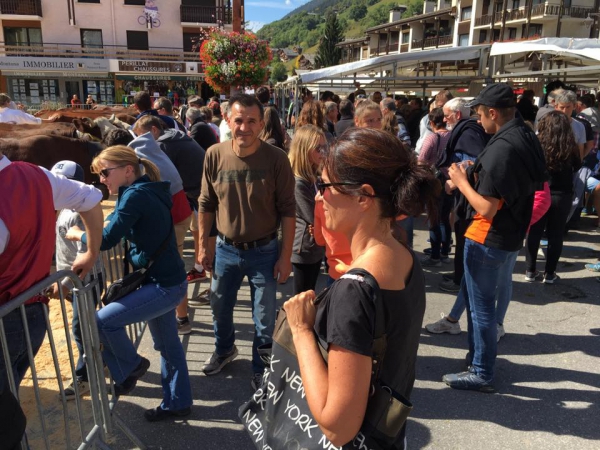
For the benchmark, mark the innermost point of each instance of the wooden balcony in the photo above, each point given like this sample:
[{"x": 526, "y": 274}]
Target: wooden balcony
[
  {"x": 486, "y": 19},
  {"x": 49, "y": 50},
  {"x": 21, "y": 7},
  {"x": 516, "y": 14},
  {"x": 576, "y": 12},
  {"x": 219, "y": 15},
  {"x": 432, "y": 42}
]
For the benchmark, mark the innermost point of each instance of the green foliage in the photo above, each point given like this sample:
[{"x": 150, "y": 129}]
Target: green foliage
[
  {"x": 414, "y": 8},
  {"x": 329, "y": 54},
  {"x": 305, "y": 26},
  {"x": 278, "y": 72},
  {"x": 357, "y": 12},
  {"x": 378, "y": 15}
]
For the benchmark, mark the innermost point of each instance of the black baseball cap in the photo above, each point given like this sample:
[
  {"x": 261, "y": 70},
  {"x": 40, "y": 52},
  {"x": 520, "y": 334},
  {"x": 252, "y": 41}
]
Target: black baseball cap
[{"x": 496, "y": 95}]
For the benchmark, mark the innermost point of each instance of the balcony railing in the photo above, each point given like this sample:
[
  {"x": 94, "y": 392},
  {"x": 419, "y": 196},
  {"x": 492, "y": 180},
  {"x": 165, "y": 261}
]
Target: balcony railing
[
  {"x": 486, "y": 19},
  {"x": 106, "y": 52},
  {"x": 206, "y": 14},
  {"x": 432, "y": 42},
  {"x": 517, "y": 14},
  {"x": 577, "y": 12},
  {"x": 21, "y": 7},
  {"x": 403, "y": 48}
]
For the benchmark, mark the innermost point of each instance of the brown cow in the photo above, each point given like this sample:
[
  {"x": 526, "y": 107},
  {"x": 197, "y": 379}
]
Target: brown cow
[
  {"x": 8, "y": 130},
  {"x": 47, "y": 150}
]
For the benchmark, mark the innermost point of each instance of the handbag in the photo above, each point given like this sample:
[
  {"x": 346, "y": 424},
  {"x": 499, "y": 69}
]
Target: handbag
[
  {"x": 131, "y": 281},
  {"x": 278, "y": 416}
]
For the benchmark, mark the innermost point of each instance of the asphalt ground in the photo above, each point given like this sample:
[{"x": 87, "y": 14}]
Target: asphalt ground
[{"x": 547, "y": 371}]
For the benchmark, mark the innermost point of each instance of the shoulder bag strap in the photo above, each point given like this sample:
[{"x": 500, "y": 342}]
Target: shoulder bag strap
[{"x": 160, "y": 250}]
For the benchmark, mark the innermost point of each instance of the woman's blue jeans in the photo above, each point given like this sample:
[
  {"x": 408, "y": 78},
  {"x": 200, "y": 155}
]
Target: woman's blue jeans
[
  {"x": 155, "y": 304},
  {"x": 231, "y": 266}
]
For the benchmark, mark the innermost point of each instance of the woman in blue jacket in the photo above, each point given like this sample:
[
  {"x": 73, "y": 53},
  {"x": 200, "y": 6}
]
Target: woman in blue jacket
[{"x": 142, "y": 217}]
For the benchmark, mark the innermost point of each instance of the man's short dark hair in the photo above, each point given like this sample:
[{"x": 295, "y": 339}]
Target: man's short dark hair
[
  {"x": 327, "y": 96},
  {"x": 263, "y": 94},
  {"x": 164, "y": 103},
  {"x": 143, "y": 101},
  {"x": 147, "y": 122},
  {"x": 346, "y": 107},
  {"x": 195, "y": 100},
  {"x": 587, "y": 101},
  {"x": 417, "y": 101},
  {"x": 117, "y": 137},
  {"x": 247, "y": 101}
]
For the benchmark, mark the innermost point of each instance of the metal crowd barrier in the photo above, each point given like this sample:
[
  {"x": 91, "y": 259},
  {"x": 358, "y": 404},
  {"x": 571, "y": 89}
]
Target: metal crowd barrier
[{"x": 92, "y": 432}]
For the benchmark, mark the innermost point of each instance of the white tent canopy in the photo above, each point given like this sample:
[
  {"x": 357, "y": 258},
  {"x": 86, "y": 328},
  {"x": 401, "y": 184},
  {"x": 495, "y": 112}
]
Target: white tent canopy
[
  {"x": 565, "y": 47},
  {"x": 387, "y": 62}
]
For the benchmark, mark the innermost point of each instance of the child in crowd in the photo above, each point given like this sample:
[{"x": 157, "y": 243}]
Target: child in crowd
[{"x": 66, "y": 252}]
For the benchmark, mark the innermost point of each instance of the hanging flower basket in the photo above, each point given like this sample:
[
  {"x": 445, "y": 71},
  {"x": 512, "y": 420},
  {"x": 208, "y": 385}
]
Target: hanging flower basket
[{"x": 234, "y": 60}]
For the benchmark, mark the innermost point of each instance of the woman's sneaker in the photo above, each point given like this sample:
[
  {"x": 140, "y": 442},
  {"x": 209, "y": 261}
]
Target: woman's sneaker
[
  {"x": 550, "y": 278},
  {"x": 443, "y": 326},
  {"x": 532, "y": 276}
]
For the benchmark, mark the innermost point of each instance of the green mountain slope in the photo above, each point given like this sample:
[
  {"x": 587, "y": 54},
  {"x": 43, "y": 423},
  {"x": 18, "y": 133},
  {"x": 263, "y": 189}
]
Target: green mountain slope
[{"x": 304, "y": 26}]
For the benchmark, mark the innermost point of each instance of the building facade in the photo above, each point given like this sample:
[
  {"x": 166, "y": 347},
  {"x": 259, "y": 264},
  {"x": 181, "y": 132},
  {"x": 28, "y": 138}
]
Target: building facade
[
  {"x": 458, "y": 23},
  {"x": 110, "y": 49}
]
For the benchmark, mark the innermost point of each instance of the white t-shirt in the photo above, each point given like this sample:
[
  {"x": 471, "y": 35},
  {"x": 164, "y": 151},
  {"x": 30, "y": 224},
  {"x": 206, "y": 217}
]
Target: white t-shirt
[
  {"x": 17, "y": 116},
  {"x": 67, "y": 194}
]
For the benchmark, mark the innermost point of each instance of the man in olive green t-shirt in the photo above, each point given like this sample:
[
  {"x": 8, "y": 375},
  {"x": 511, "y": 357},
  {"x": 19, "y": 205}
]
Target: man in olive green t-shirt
[{"x": 248, "y": 186}]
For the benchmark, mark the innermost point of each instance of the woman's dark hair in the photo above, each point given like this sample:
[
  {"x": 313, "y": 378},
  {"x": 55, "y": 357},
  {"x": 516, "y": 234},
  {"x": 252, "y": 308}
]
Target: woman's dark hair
[
  {"x": 377, "y": 158},
  {"x": 311, "y": 114},
  {"x": 272, "y": 127},
  {"x": 436, "y": 117},
  {"x": 557, "y": 139}
]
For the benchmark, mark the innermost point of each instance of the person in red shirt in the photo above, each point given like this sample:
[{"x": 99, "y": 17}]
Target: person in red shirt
[{"x": 75, "y": 102}]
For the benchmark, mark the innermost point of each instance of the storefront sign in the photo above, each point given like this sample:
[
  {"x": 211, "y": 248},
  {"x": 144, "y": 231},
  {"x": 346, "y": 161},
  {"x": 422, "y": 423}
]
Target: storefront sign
[
  {"x": 32, "y": 74},
  {"x": 160, "y": 78},
  {"x": 151, "y": 67},
  {"x": 59, "y": 64}
]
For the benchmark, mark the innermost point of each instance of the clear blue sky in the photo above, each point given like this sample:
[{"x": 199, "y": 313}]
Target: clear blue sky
[{"x": 261, "y": 12}]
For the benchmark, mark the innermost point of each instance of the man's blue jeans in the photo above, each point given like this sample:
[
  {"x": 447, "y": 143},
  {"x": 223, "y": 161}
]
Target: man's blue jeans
[
  {"x": 483, "y": 267},
  {"x": 503, "y": 292},
  {"x": 231, "y": 266},
  {"x": 15, "y": 339},
  {"x": 156, "y": 304}
]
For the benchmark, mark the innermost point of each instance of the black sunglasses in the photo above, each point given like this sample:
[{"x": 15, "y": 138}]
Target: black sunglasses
[
  {"x": 106, "y": 172},
  {"x": 321, "y": 186}
]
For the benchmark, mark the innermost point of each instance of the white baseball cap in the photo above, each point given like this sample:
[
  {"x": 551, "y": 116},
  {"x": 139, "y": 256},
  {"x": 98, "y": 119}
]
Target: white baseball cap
[{"x": 69, "y": 169}]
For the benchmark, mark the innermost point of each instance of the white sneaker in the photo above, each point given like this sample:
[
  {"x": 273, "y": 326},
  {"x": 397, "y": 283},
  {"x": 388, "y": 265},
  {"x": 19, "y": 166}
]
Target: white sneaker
[
  {"x": 501, "y": 332},
  {"x": 443, "y": 326}
]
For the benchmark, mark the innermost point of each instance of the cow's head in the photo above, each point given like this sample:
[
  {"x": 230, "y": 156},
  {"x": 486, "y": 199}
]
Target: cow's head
[{"x": 86, "y": 126}]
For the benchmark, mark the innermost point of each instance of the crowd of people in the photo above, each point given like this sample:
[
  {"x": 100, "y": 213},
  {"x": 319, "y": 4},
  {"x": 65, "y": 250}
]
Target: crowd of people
[{"x": 492, "y": 174}]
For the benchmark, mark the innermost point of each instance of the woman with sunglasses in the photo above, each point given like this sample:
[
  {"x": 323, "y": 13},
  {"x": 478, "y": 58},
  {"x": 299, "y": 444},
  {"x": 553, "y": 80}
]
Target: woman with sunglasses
[
  {"x": 305, "y": 159},
  {"x": 142, "y": 217},
  {"x": 367, "y": 181}
]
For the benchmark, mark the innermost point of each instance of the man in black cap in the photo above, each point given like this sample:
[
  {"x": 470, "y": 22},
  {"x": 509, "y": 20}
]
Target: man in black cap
[{"x": 499, "y": 187}]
